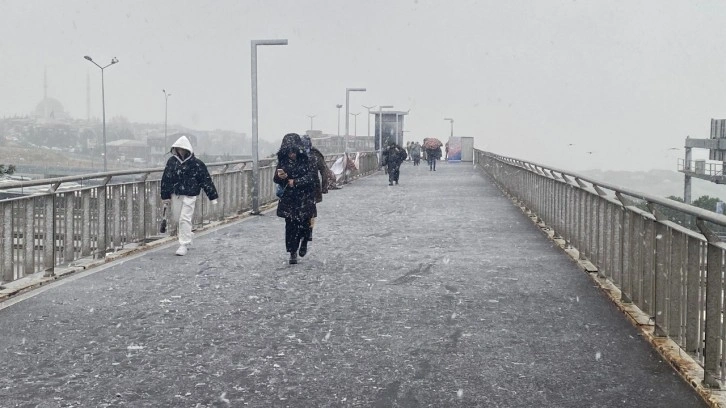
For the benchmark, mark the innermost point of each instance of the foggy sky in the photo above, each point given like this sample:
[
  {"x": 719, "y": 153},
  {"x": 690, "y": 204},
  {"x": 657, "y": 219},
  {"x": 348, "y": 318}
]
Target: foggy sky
[{"x": 624, "y": 80}]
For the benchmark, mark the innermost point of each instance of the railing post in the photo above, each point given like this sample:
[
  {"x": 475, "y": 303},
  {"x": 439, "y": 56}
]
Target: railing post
[
  {"x": 693, "y": 284},
  {"x": 627, "y": 249},
  {"x": 714, "y": 303},
  {"x": 660, "y": 276},
  {"x": 28, "y": 238},
  {"x": 116, "y": 216},
  {"x": 102, "y": 241},
  {"x": 86, "y": 223},
  {"x": 49, "y": 240},
  {"x": 68, "y": 233},
  {"x": 7, "y": 228}
]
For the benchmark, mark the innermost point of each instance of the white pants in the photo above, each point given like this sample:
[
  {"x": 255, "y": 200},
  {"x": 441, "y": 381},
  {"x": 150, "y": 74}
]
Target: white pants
[{"x": 182, "y": 210}]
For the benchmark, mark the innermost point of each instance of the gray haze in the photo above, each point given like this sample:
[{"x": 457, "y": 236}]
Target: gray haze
[{"x": 621, "y": 79}]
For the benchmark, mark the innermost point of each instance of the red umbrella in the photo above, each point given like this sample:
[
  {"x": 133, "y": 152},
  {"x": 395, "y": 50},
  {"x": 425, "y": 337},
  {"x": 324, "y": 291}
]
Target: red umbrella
[{"x": 432, "y": 143}]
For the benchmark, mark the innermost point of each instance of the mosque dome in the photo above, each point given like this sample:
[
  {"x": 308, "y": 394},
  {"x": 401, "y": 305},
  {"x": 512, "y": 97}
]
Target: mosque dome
[{"x": 50, "y": 108}]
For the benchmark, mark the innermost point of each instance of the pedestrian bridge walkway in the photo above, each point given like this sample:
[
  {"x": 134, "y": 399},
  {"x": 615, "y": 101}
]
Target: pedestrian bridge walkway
[{"x": 439, "y": 291}]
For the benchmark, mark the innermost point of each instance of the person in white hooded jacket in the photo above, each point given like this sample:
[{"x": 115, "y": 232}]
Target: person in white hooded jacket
[{"x": 183, "y": 179}]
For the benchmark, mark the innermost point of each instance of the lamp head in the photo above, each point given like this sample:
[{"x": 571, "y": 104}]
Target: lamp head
[
  {"x": 338, "y": 106},
  {"x": 88, "y": 58},
  {"x": 114, "y": 60}
]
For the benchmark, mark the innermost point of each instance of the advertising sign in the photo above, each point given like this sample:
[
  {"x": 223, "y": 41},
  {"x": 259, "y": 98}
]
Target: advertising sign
[{"x": 454, "y": 148}]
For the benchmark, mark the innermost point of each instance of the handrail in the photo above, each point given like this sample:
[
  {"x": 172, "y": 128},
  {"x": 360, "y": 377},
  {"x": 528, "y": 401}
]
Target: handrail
[
  {"x": 670, "y": 272},
  {"x": 57, "y": 226},
  {"x": 685, "y": 208}
]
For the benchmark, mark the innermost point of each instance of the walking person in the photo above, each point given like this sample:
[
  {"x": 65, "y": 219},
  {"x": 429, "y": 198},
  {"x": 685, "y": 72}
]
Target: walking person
[
  {"x": 296, "y": 174},
  {"x": 321, "y": 171},
  {"x": 183, "y": 179},
  {"x": 393, "y": 156},
  {"x": 432, "y": 155},
  {"x": 416, "y": 154}
]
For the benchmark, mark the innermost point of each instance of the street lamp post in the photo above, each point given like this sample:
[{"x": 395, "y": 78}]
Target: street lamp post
[
  {"x": 355, "y": 124},
  {"x": 311, "y": 120},
  {"x": 347, "y": 112},
  {"x": 451, "y": 121},
  {"x": 255, "y": 152},
  {"x": 166, "y": 114},
  {"x": 380, "y": 131},
  {"x": 347, "y": 122},
  {"x": 114, "y": 60}
]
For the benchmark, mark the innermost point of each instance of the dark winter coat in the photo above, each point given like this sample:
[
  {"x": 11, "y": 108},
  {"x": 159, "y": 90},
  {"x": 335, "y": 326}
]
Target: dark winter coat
[
  {"x": 322, "y": 168},
  {"x": 186, "y": 177},
  {"x": 297, "y": 202},
  {"x": 433, "y": 153},
  {"x": 394, "y": 155}
]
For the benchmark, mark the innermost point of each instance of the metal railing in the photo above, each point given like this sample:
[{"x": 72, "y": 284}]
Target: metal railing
[
  {"x": 672, "y": 273},
  {"x": 75, "y": 217},
  {"x": 701, "y": 167}
]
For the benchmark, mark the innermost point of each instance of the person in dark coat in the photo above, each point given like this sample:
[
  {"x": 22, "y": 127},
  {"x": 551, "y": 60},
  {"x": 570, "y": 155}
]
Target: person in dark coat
[
  {"x": 183, "y": 179},
  {"x": 432, "y": 155},
  {"x": 322, "y": 171},
  {"x": 297, "y": 175},
  {"x": 393, "y": 156},
  {"x": 318, "y": 159}
]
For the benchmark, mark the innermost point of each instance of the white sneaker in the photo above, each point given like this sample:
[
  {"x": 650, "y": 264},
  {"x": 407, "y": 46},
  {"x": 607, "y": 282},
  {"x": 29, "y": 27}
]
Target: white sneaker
[{"x": 182, "y": 250}]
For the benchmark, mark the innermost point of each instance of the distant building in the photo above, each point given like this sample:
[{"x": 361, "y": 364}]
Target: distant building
[
  {"x": 127, "y": 150},
  {"x": 389, "y": 126},
  {"x": 50, "y": 109}
]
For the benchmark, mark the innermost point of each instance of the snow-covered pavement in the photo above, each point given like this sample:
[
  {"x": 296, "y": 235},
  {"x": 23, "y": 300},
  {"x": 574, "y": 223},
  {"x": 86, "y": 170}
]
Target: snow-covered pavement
[{"x": 436, "y": 292}]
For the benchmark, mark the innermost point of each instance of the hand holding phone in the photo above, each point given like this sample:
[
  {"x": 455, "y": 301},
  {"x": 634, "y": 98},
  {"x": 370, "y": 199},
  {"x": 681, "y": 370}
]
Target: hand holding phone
[{"x": 281, "y": 173}]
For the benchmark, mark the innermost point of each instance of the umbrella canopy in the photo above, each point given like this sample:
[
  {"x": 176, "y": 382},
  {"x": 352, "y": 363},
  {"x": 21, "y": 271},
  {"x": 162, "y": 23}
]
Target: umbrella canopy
[{"x": 432, "y": 143}]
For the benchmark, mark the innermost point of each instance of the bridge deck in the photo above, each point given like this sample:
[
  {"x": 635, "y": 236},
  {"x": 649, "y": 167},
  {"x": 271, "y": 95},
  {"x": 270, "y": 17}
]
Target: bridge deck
[{"x": 436, "y": 292}]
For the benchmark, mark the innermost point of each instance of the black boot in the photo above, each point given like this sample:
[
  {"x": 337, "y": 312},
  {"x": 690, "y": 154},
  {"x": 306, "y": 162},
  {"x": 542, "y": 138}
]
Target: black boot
[
  {"x": 303, "y": 248},
  {"x": 293, "y": 258}
]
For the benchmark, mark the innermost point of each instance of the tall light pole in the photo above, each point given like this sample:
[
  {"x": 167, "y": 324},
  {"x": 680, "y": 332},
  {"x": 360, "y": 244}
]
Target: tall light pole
[
  {"x": 114, "y": 60},
  {"x": 347, "y": 112},
  {"x": 347, "y": 122},
  {"x": 380, "y": 130},
  {"x": 452, "y": 126},
  {"x": 311, "y": 120},
  {"x": 255, "y": 152},
  {"x": 355, "y": 124},
  {"x": 166, "y": 114}
]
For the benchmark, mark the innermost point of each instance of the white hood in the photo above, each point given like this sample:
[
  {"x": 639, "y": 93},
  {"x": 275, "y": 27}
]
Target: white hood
[{"x": 184, "y": 143}]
